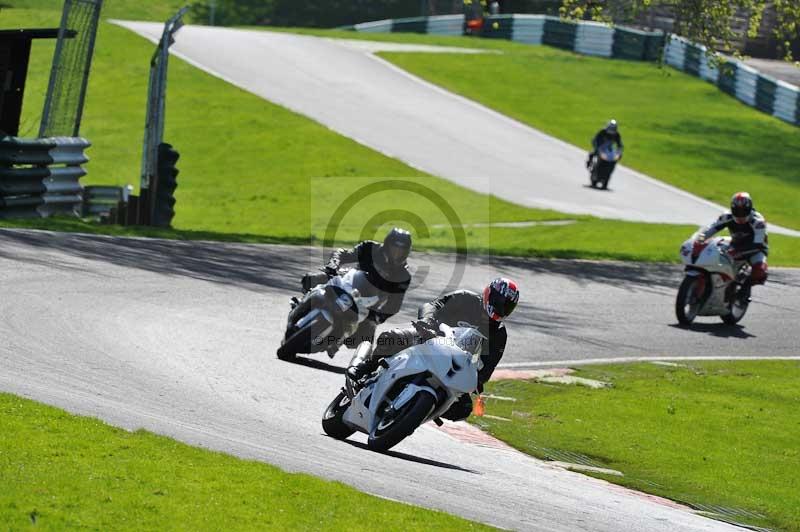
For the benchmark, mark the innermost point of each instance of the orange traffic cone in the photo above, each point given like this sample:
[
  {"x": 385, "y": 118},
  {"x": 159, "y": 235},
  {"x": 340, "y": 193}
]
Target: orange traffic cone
[{"x": 479, "y": 407}]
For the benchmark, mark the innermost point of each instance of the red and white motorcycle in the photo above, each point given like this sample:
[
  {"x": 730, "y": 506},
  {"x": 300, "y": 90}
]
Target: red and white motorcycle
[{"x": 712, "y": 282}]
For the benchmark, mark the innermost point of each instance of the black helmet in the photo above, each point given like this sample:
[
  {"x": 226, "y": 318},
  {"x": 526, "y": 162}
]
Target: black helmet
[
  {"x": 611, "y": 127},
  {"x": 396, "y": 246},
  {"x": 741, "y": 206}
]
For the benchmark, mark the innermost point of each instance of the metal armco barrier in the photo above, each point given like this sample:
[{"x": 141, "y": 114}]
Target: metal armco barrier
[
  {"x": 588, "y": 38},
  {"x": 765, "y": 93},
  {"x": 100, "y": 200},
  {"x": 40, "y": 177}
]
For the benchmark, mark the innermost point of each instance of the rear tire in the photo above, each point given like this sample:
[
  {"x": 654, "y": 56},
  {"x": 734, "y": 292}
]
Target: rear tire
[
  {"x": 414, "y": 413},
  {"x": 686, "y": 304},
  {"x": 332, "y": 422}
]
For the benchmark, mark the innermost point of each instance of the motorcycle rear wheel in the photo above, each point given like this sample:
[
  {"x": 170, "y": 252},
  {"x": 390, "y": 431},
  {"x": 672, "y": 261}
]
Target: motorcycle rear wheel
[
  {"x": 686, "y": 304},
  {"x": 412, "y": 415},
  {"x": 332, "y": 422}
]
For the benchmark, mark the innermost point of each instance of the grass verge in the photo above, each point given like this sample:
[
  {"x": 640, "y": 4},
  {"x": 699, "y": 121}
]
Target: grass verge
[
  {"x": 710, "y": 433},
  {"x": 254, "y": 171},
  {"x": 62, "y": 472}
]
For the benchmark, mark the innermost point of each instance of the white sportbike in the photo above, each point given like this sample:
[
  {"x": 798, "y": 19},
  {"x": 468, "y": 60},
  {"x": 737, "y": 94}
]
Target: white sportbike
[
  {"x": 712, "y": 282},
  {"x": 416, "y": 385}
]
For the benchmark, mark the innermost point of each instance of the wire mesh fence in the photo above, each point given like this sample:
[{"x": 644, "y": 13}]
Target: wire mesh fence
[{"x": 69, "y": 76}]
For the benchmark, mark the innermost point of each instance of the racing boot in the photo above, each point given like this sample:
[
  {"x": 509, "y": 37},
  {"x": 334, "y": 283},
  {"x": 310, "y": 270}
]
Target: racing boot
[
  {"x": 744, "y": 292},
  {"x": 362, "y": 364}
]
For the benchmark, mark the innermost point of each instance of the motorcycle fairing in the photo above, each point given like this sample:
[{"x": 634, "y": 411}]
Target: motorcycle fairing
[{"x": 444, "y": 363}]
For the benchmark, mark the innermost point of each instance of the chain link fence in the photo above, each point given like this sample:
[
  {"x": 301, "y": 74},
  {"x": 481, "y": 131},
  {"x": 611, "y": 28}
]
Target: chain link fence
[{"x": 69, "y": 76}]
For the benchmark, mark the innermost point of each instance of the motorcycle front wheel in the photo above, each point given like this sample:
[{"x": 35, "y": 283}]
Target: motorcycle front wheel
[
  {"x": 301, "y": 341},
  {"x": 332, "y": 422},
  {"x": 393, "y": 427},
  {"x": 687, "y": 304}
]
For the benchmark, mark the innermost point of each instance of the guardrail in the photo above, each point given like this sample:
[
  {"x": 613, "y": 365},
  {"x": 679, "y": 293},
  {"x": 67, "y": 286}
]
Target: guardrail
[
  {"x": 40, "y": 177},
  {"x": 743, "y": 82},
  {"x": 587, "y": 38}
]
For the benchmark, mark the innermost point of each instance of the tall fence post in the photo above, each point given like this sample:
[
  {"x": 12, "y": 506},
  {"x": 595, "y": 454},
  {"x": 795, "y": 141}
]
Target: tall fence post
[{"x": 154, "y": 121}]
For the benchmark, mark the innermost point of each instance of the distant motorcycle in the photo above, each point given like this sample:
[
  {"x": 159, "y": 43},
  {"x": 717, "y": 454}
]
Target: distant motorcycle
[
  {"x": 712, "y": 282},
  {"x": 414, "y": 386},
  {"x": 329, "y": 313},
  {"x": 603, "y": 164}
]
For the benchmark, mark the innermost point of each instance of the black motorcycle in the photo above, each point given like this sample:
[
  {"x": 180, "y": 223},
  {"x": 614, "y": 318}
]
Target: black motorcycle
[{"x": 603, "y": 165}]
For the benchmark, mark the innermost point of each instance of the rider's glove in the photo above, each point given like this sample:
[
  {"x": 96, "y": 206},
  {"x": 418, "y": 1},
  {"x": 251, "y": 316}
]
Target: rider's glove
[
  {"x": 425, "y": 330},
  {"x": 331, "y": 271}
]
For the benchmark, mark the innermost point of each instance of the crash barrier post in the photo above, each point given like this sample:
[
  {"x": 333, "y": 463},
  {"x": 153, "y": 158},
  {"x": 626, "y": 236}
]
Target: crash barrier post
[
  {"x": 40, "y": 177},
  {"x": 164, "y": 205},
  {"x": 588, "y": 38},
  {"x": 743, "y": 82}
]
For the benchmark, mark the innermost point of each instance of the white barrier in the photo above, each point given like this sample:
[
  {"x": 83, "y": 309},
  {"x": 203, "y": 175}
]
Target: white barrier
[
  {"x": 593, "y": 38},
  {"x": 446, "y": 25},
  {"x": 787, "y": 100},
  {"x": 675, "y": 52},
  {"x": 746, "y": 83},
  {"x": 379, "y": 26},
  {"x": 528, "y": 29}
]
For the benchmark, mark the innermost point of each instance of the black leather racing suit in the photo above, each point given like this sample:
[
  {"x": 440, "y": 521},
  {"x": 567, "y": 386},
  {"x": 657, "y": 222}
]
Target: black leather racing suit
[
  {"x": 603, "y": 137},
  {"x": 392, "y": 280},
  {"x": 459, "y": 308}
]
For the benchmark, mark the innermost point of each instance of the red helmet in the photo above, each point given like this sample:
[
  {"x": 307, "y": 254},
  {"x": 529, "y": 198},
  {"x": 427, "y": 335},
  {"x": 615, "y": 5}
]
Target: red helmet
[
  {"x": 500, "y": 298},
  {"x": 741, "y": 207}
]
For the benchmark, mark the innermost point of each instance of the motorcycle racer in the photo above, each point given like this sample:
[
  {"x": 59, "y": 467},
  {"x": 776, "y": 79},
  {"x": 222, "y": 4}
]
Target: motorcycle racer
[
  {"x": 610, "y": 133},
  {"x": 386, "y": 266},
  {"x": 464, "y": 308},
  {"x": 748, "y": 230}
]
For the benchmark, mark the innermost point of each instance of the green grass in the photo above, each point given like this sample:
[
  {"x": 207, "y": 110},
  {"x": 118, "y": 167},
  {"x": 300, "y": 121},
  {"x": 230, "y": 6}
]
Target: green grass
[
  {"x": 61, "y": 471},
  {"x": 714, "y": 433},
  {"x": 676, "y": 127},
  {"x": 254, "y": 171}
]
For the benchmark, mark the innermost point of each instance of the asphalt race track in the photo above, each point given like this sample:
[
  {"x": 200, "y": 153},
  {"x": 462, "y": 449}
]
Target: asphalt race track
[
  {"x": 344, "y": 86},
  {"x": 179, "y": 338}
]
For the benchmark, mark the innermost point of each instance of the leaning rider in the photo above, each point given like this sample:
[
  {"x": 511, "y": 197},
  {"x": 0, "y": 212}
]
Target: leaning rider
[
  {"x": 386, "y": 267},
  {"x": 457, "y": 309},
  {"x": 748, "y": 230}
]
